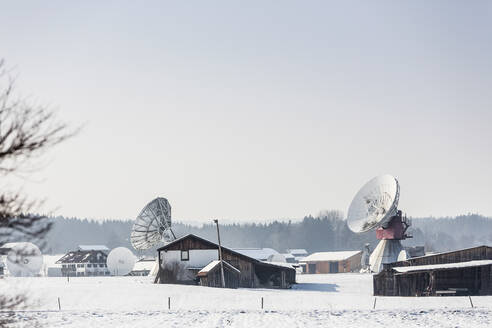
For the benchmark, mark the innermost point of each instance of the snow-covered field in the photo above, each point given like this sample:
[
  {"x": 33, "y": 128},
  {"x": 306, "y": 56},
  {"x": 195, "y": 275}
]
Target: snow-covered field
[{"x": 318, "y": 300}]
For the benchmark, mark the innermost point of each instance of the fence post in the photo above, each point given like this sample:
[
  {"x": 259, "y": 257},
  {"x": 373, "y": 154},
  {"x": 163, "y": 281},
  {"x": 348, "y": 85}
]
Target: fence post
[
  {"x": 59, "y": 304},
  {"x": 469, "y": 297},
  {"x": 169, "y": 303},
  {"x": 262, "y": 302},
  {"x": 374, "y": 305}
]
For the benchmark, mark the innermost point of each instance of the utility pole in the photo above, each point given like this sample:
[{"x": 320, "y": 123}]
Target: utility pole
[{"x": 220, "y": 255}]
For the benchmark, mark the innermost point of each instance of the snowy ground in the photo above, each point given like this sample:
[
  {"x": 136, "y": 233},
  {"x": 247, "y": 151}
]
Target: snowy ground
[{"x": 318, "y": 300}]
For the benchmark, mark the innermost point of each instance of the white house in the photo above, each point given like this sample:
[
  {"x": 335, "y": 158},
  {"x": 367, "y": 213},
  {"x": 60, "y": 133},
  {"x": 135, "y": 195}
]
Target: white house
[{"x": 84, "y": 263}]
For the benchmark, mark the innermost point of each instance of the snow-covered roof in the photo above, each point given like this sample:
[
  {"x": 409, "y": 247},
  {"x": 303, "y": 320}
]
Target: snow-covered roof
[
  {"x": 260, "y": 254},
  {"x": 281, "y": 264},
  {"x": 83, "y": 257},
  {"x": 330, "y": 256},
  {"x": 297, "y": 251},
  {"x": 442, "y": 266},
  {"x": 93, "y": 248},
  {"x": 209, "y": 267},
  {"x": 288, "y": 255},
  {"x": 144, "y": 265}
]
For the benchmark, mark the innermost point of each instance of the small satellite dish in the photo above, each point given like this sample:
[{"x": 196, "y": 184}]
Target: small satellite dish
[
  {"x": 24, "y": 260},
  {"x": 152, "y": 225},
  {"x": 120, "y": 261},
  {"x": 374, "y": 205}
]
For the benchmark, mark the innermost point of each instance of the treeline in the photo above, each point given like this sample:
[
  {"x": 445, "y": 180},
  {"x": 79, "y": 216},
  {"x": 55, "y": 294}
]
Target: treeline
[{"x": 324, "y": 233}]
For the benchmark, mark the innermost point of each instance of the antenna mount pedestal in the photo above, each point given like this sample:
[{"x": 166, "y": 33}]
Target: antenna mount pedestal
[{"x": 395, "y": 229}]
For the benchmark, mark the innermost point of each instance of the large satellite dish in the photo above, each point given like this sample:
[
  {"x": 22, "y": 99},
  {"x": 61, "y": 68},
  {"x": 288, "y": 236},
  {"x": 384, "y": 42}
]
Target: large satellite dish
[
  {"x": 120, "y": 261},
  {"x": 152, "y": 225},
  {"x": 24, "y": 260},
  {"x": 374, "y": 205}
]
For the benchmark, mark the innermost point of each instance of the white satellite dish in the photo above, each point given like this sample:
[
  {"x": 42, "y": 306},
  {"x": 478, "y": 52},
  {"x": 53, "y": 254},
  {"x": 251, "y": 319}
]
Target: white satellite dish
[
  {"x": 153, "y": 225},
  {"x": 375, "y": 207},
  {"x": 120, "y": 261},
  {"x": 24, "y": 259}
]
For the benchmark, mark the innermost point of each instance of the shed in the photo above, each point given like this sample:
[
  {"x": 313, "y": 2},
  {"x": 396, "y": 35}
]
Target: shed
[
  {"x": 332, "y": 262},
  {"x": 211, "y": 275},
  {"x": 461, "y": 272}
]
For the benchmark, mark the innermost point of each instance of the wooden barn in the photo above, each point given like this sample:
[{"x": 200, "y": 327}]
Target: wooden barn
[
  {"x": 462, "y": 272},
  {"x": 182, "y": 260},
  {"x": 332, "y": 262}
]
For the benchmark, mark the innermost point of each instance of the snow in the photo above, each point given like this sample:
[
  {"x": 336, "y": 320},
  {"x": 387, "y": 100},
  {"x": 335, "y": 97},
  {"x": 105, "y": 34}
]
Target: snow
[
  {"x": 93, "y": 248},
  {"x": 261, "y": 254},
  {"x": 144, "y": 265},
  {"x": 297, "y": 252},
  {"x": 443, "y": 266},
  {"x": 328, "y": 300},
  {"x": 330, "y": 256}
]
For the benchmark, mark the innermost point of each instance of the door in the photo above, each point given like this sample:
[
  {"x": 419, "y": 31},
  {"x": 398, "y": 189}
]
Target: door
[
  {"x": 333, "y": 267},
  {"x": 312, "y": 268}
]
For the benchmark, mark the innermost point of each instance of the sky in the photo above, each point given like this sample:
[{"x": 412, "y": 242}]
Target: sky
[{"x": 257, "y": 110}]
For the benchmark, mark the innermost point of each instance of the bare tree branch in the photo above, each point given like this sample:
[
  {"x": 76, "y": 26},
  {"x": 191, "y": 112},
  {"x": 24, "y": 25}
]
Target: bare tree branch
[{"x": 26, "y": 131}]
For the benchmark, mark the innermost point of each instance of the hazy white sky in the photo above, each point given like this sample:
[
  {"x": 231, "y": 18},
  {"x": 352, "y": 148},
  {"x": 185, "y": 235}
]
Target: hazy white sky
[{"x": 256, "y": 110}]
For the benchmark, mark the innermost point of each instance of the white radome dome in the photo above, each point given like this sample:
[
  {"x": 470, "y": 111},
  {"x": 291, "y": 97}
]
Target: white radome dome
[
  {"x": 24, "y": 260},
  {"x": 120, "y": 261}
]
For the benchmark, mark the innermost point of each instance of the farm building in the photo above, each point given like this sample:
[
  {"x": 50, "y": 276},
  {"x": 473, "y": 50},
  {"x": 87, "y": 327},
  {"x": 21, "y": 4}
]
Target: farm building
[
  {"x": 332, "y": 262},
  {"x": 210, "y": 275},
  {"x": 462, "y": 272},
  {"x": 143, "y": 267},
  {"x": 84, "y": 263},
  {"x": 182, "y": 260}
]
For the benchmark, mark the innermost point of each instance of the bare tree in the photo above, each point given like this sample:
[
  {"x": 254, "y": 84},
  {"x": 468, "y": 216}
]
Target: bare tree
[{"x": 27, "y": 131}]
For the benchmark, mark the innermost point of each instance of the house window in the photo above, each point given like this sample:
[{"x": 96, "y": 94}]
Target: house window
[
  {"x": 185, "y": 256},
  {"x": 89, "y": 265}
]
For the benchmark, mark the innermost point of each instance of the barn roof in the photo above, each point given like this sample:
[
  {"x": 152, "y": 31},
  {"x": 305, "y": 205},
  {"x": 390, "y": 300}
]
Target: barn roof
[
  {"x": 93, "y": 248},
  {"x": 261, "y": 254},
  {"x": 330, "y": 256},
  {"x": 444, "y": 266}
]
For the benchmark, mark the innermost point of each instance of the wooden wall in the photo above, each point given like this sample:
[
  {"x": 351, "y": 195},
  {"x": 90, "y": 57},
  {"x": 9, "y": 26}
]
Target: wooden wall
[
  {"x": 476, "y": 280},
  {"x": 470, "y": 254}
]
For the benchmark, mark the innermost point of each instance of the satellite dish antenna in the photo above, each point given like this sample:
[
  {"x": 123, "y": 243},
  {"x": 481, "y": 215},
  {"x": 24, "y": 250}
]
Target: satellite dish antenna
[
  {"x": 153, "y": 225},
  {"x": 24, "y": 260},
  {"x": 120, "y": 261},
  {"x": 375, "y": 207}
]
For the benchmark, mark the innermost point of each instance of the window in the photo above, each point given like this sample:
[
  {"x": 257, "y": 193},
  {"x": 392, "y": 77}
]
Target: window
[
  {"x": 89, "y": 265},
  {"x": 185, "y": 256},
  {"x": 101, "y": 265}
]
